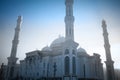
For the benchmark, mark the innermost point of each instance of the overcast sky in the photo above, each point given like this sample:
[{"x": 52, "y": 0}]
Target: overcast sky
[{"x": 43, "y": 21}]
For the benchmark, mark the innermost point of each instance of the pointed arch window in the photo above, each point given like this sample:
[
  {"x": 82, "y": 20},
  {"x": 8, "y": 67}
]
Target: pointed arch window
[
  {"x": 11, "y": 71},
  {"x": 67, "y": 51},
  {"x": 74, "y": 65},
  {"x": 73, "y": 51},
  {"x": 70, "y": 32},
  {"x": 67, "y": 64}
]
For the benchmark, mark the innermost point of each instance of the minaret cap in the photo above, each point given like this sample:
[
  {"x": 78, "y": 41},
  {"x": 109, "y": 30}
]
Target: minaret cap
[
  {"x": 19, "y": 18},
  {"x": 69, "y": 1},
  {"x": 103, "y": 22}
]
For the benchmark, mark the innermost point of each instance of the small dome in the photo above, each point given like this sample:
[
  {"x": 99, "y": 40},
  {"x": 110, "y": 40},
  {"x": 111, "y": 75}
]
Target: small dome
[
  {"x": 57, "y": 41},
  {"x": 46, "y": 48},
  {"x": 81, "y": 50}
]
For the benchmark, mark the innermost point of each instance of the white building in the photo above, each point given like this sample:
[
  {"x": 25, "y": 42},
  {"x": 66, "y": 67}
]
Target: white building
[{"x": 62, "y": 60}]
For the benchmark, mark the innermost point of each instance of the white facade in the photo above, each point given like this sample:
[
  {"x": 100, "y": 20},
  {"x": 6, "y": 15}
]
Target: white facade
[{"x": 51, "y": 63}]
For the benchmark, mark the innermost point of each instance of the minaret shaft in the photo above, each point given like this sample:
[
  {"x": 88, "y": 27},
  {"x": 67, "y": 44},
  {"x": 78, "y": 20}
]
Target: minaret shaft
[
  {"x": 109, "y": 62},
  {"x": 106, "y": 45},
  {"x": 16, "y": 38},
  {"x": 12, "y": 59},
  {"x": 69, "y": 20}
]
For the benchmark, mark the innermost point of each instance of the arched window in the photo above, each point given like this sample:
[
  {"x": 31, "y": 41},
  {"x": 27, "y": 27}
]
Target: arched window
[
  {"x": 74, "y": 65},
  {"x": 11, "y": 71},
  {"x": 44, "y": 65},
  {"x": 70, "y": 32},
  {"x": 67, "y": 64},
  {"x": 73, "y": 51},
  {"x": 66, "y": 51}
]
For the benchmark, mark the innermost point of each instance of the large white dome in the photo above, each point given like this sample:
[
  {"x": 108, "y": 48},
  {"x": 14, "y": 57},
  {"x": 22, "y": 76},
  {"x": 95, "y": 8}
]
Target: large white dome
[{"x": 57, "y": 42}]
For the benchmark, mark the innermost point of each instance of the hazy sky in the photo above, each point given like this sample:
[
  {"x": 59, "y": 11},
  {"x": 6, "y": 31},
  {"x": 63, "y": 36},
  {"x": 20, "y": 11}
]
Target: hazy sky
[{"x": 43, "y": 21}]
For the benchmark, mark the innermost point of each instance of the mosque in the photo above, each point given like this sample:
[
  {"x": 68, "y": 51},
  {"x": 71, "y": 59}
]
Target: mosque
[{"x": 62, "y": 60}]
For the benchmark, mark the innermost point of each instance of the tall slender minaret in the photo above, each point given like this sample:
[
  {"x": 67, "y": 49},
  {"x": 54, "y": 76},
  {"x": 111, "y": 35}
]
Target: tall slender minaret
[
  {"x": 109, "y": 62},
  {"x": 69, "y": 20},
  {"x": 12, "y": 59}
]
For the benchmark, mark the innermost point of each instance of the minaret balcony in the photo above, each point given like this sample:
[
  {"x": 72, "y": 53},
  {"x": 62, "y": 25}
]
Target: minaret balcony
[
  {"x": 68, "y": 2},
  {"x": 69, "y": 19}
]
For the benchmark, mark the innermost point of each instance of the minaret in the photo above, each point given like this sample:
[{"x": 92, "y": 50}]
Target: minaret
[
  {"x": 69, "y": 20},
  {"x": 12, "y": 59},
  {"x": 109, "y": 62}
]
